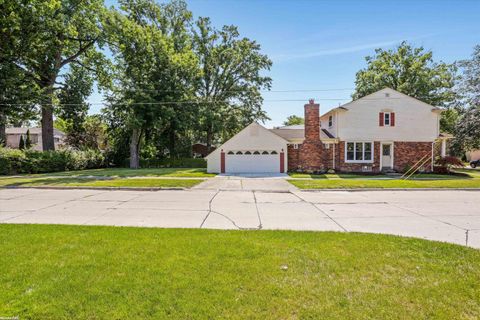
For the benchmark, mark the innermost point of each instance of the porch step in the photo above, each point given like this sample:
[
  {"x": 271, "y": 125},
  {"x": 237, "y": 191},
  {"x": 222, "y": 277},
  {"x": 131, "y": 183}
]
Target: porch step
[{"x": 392, "y": 173}]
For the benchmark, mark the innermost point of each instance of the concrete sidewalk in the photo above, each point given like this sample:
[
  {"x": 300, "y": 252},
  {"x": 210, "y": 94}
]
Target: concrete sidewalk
[{"x": 451, "y": 216}]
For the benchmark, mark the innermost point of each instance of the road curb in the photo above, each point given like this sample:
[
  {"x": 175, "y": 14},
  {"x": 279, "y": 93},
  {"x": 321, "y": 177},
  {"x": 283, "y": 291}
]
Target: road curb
[
  {"x": 98, "y": 188},
  {"x": 393, "y": 189}
]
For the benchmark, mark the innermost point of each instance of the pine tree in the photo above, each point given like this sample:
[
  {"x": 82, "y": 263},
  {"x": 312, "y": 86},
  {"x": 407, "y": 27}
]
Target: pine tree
[
  {"x": 21, "y": 145},
  {"x": 28, "y": 140}
]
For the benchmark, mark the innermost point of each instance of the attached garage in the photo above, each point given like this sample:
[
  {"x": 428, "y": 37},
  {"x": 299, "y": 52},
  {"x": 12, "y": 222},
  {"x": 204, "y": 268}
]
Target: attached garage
[
  {"x": 255, "y": 149},
  {"x": 257, "y": 161}
]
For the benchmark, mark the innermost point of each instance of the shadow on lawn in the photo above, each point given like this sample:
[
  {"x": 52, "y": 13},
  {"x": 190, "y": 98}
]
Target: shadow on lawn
[{"x": 51, "y": 181}]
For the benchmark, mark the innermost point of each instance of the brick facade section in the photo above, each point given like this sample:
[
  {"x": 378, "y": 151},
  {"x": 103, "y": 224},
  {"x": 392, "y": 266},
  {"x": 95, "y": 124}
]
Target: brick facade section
[
  {"x": 316, "y": 158},
  {"x": 406, "y": 154}
]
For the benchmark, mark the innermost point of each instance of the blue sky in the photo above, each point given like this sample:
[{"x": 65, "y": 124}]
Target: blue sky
[{"x": 320, "y": 45}]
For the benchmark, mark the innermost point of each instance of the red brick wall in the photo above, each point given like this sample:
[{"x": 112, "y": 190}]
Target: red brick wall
[
  {"x": 293, "y": 158},
  {"x": 406, "y": 154},
  {"x": 311, "y": 157}
]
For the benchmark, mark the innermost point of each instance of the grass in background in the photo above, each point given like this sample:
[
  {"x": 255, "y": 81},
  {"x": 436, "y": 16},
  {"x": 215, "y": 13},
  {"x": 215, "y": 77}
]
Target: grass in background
[
  {"x": 127, "y": 172},
  {"x": 73, "y": 272},
  {"x": 88, "y": 182}
]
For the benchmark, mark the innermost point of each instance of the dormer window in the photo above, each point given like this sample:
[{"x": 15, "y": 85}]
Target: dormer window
[{"x": 330, "y": 121}]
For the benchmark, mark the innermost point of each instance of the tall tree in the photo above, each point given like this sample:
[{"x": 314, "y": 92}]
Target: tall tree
[
  {"x": 293, "y": 120},
  {"x": 467, "y": 130},
  {"x": 57, "y": 34},
  {"x": 231, "y": 80},
  {"x": 409, "y": 70},
  {"x": 153, "y": 73}
]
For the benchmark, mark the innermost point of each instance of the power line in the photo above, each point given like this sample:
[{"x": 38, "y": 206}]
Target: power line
[{"x": 177, "y": 102}]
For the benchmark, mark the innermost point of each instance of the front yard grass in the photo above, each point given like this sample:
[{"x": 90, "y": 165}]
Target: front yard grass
[
  {"x": 89, "y": 182},
  {"x": 73, "y": 272},
  {"x": 127, "y": 172},
  {"x": 385, "y": 184}
]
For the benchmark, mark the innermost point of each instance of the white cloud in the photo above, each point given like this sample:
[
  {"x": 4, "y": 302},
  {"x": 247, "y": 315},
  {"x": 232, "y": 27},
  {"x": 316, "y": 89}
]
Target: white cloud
[{"x": 329, "y": 52}]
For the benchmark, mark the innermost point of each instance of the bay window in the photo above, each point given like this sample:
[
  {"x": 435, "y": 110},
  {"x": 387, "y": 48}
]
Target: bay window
[{"x": 359, "y": 152}]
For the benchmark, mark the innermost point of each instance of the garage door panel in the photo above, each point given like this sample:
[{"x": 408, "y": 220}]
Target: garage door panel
[{"x": 252, "y": 163}]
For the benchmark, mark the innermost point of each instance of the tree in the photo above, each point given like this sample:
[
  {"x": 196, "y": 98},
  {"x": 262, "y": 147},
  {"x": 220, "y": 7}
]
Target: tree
[
  {"x": 57, "y": 35},
  {"x": 21, "y": 144},
  {"x": 17, "y": 90},
  {"x": 28, "y": 140},
  {"x": 153, "y": 72},
  {"x": 73, "y": 108},
  {"x": 467, "y": 130},
  {"x": 409, "y": 70},
  {"x": 230, "y": 81},
  {"x": 293, "y": 120}
]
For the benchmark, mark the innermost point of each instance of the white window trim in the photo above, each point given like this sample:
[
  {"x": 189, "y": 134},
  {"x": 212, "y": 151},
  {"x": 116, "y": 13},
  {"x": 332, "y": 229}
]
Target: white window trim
[
  {"x": 363, "y": 152},
  {"x": 389, "y": 119},
  {"x": 330, "y": 121}
]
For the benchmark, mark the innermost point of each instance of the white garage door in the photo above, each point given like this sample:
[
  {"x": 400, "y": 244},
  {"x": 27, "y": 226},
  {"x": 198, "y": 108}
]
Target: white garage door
[{"x": 251, "y": 162}]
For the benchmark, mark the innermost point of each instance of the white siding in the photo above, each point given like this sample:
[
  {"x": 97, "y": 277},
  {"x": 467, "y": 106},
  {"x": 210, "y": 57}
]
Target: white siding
[
  {"x": 253, "y": 137},
  {"x": 414, "y": 120}
]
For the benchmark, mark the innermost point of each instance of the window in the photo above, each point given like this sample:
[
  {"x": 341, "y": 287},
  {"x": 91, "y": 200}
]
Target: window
[
  {"x": 248, "y": 152},
  {"x": 256, "y": 152},
  {"x": 230, "y": 152},
  {"x": 239, "y": 152},
  {"x": 274, "y": 152},
  {"x": 330, "y": 121},
  {"x": 295, "y": 146},
  {"x": 359, "y": 152},
  {"x": 265, "y": 152},
  {"x": 386, "y": 119}
]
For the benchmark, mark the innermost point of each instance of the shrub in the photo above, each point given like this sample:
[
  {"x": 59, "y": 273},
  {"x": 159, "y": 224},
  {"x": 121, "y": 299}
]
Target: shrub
[
  {"x": 14, "y": 161},
  {"x": 444, "y": 164},
  {"x": 171, "y": 163}
]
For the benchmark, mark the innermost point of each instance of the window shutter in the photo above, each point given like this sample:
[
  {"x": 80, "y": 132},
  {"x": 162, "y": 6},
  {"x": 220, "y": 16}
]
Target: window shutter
[
  {"x": 380, "y": 119},
  {"x": 392, "y": 119}
]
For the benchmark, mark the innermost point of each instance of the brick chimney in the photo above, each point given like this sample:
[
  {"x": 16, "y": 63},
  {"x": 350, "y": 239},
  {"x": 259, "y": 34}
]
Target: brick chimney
[{"x": 312, "y": 121}]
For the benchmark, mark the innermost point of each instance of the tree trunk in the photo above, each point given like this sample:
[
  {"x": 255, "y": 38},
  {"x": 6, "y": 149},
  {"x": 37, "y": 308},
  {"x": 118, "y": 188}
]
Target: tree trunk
[
  {"x": 172, "y": 141},
  {"x": 209, "y": 138},
  {"x": 48, "y": 142},
  {"x": 134, "y": 149},
  {"x": 3, "y": 128}
]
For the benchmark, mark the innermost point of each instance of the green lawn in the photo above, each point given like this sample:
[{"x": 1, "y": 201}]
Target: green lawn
[
  {"x": 126, "y": 172},
  {"x": 73, "y": 272},
  {"x": 89, "y": 182},
  {"x": 393, "y": 183}
]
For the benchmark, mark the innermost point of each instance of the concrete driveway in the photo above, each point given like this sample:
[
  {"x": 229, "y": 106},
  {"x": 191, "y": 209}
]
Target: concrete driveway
[
  {"x": 451, "y": 216},
  {"x": 257, "y": 182}
]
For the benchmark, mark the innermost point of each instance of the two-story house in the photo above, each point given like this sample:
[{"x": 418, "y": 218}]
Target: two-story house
[{"x": 384, "y": 131}]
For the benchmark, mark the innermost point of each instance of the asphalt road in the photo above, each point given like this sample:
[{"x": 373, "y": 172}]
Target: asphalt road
[{"x": 451, "y": 216}]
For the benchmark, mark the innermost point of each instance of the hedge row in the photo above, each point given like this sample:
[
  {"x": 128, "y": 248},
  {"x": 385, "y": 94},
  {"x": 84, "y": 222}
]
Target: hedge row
[
  {"x": 13, "y": 161},
  {"x": 171, "y": 163}
]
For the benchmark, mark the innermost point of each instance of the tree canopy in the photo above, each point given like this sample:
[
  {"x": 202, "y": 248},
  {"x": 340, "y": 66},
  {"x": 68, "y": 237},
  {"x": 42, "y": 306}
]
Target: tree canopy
[
  {"x": 409, "y": 70},
  {"x": 293, "y": 120}
]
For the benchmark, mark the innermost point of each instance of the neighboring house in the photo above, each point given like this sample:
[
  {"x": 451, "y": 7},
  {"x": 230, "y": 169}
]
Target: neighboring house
[
  {"x": 384, "y": 131},
  {"x": 473, "y": 155},
  {"x": 13, "y": 137},
  {"x": 200, "y": 150}
]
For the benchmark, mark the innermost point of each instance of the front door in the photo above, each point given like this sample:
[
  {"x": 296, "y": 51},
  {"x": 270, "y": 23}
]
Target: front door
[{"x": 387, "y": 156}]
